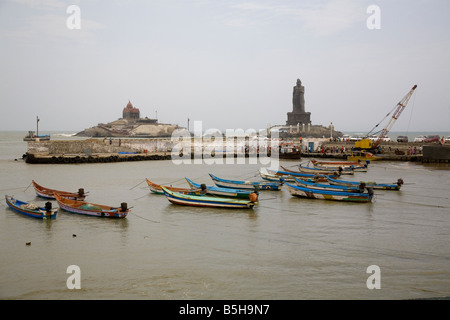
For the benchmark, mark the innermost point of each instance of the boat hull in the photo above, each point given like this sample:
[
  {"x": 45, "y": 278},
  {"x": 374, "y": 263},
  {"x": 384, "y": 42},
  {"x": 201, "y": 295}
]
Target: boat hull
[
  {"x": 330, "y": 187},
  {"x": 90, "y": 209},
  {"x": 206, "y": 201},
  {"x": 338, "y": 163},
  {"x": 274, "y": 178},
  {"x": 49, "y": 194},
  {"x": 345, "y": 169},
  {"x": 39, "y": 213},
  {"x": 302, "y": 192},
  {"x": 300, "y": 175},
  {"x": 246, "y": 185},
  {"x": 373, "y": 185},
  {"x": 156, "y": 188},
  {"x": 327, "y": 171},
  {"x": 221, "y": 192}
]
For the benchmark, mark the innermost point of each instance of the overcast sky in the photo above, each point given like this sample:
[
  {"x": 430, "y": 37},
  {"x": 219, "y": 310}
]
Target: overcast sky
[{"x": 228, "y": 63}]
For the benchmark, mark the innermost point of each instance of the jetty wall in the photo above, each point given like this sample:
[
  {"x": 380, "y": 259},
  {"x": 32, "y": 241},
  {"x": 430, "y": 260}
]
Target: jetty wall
[
  {"x": 98, "y": 150},
  {"x": 436, "y": 153},
  {"x": 129, "y": 149},
  {"x": 93, "y": 146}
]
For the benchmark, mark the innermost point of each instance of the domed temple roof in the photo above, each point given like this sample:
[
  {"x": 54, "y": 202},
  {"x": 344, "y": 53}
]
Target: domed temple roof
[{"x": 130, "y": 112}]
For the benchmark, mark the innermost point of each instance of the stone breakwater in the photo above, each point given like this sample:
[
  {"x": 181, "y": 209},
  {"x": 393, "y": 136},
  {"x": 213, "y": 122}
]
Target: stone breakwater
[
  {"x": 98, "y": 150},
  {"x": 92, "y": 146},
  {"x": 126, "y": 149}
]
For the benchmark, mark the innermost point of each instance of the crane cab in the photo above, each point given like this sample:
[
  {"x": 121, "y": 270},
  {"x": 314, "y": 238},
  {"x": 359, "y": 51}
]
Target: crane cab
[{"x": 364, "y": 144}]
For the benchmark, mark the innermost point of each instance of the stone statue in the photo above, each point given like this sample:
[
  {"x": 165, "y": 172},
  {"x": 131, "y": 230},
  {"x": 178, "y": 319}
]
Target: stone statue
[
  {"x": 298, "y": 115},
  {"x": 298, "y": 98}
]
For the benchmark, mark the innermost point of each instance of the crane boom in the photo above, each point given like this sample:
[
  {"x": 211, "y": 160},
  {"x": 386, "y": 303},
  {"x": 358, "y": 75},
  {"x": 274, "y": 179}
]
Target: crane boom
[
  {"x": 400, "y": 107},
  {"x": 367, "y": 144}
]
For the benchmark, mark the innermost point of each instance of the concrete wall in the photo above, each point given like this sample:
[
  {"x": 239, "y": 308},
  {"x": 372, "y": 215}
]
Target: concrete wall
[
  {"x": 91, "y": 146},
  {"x": 438, "y": 153}
]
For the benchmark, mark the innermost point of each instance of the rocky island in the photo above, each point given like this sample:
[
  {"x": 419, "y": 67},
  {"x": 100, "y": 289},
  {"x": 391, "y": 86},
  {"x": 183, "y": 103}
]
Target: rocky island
[{"x": 130, "y": 125}]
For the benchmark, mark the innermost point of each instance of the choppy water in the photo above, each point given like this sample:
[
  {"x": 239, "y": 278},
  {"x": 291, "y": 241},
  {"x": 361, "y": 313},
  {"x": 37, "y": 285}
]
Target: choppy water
[{"x": 285, "y": 248}]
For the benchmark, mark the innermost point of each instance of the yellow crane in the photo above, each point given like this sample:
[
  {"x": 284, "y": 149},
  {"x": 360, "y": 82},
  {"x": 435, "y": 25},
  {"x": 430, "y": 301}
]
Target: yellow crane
[{"x": 369, "y": 145}]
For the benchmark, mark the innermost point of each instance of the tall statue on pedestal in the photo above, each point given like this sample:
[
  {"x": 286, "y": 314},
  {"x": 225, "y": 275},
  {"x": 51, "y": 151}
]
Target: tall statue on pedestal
[
  {"x": 298, "y": 114},
  {"x": 298, "y": 98}
]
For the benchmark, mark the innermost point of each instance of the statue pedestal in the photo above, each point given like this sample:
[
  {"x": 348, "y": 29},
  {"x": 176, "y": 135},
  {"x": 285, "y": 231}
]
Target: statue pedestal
[{"x": 295, "y": 117}]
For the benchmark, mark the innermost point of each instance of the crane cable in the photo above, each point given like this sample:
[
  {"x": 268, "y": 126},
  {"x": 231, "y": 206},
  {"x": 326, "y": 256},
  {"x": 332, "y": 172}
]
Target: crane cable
[{"x": 387, "y": 115}]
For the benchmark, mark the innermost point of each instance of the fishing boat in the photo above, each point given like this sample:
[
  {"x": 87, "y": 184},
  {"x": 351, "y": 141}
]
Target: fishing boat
[
  {"x": 300, "y": 175},
  {"x": 219, "y": 191},
  {"x": 30, "y": 209},
  {"x": 330, "y": 165},
  {"x": 338, "y": 164},
  {"x": 345, "y": 169},
  {"x": 91, "y": 209},
  {"x": 246, "y": 185},
  {"x": 47, "y": 193},
  {"x": 371, "y": 184},
  {"x": 31, "y": 136},
  {"x": 321, "y": 173},
  {"x": 310, "y": 193},
  {"x": 331, "y": 187},
  {"x": 207, "y": 201},
  {"x": 156, "y": 188},
  {"x": 272, "y": 177},
  {"x": 325, "y": 170}
]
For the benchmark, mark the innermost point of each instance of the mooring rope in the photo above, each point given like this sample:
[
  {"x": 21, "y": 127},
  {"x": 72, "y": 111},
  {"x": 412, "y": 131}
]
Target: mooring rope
[
  {"x": 138, "y": 184},
  {"x": 16, "y": 188},
  {"x": 418, "y": 204},
  {"x": 134, "y": 214}
]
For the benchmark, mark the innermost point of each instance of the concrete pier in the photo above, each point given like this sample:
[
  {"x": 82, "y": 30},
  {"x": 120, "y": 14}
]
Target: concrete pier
[
  {"x": 436, "y": 154},
  {"x": 118, "y": 150},
  {"x": 95, "y": 158}
]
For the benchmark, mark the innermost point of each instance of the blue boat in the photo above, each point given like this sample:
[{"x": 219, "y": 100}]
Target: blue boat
[
  {"x": 219, "y": 191},
  {"x": 371, "y": 184},
  {"x": 301, "y": 175},
  {"x": 247, "y": 185},
  {"x": 31, "y": 209},
  {"x": 325, "y": 170},
  {"x": 310, "y": 193},
  {"x": 331, "y": 187}
]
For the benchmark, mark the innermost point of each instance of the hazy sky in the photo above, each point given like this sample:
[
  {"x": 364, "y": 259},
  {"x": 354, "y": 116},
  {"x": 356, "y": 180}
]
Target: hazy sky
[{"x": 228, "y": 63}]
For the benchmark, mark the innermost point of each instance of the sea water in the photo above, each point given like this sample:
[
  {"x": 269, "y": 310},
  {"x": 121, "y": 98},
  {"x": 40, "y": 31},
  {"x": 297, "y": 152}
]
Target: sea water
[{"x": 284, "y": 248}]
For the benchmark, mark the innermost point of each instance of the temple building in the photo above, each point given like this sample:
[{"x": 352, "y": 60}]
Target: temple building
[
  {"x": 130, "y": 112},
  {"x": 130, "y": 125}
]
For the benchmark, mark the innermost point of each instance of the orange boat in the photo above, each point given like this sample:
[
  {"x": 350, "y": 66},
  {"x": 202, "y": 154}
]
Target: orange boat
[
  {"x": 47, "y": 193},
  {"x": 91, "y": 209},
  {"x": 156, "y": 188}
]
